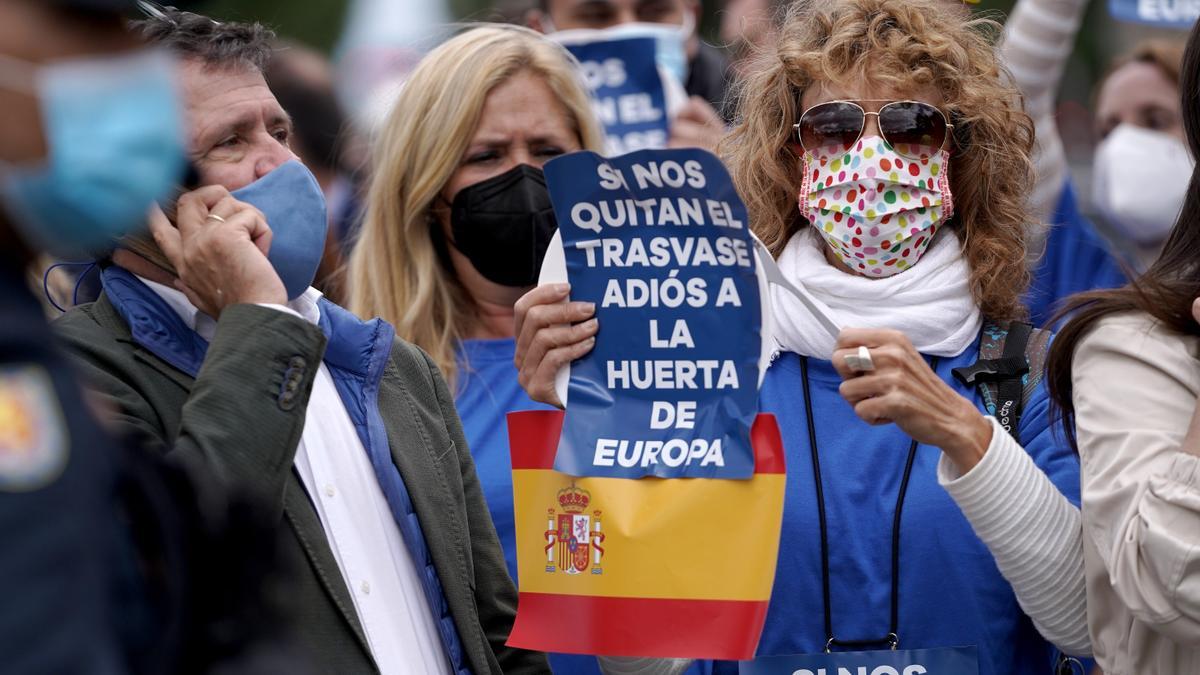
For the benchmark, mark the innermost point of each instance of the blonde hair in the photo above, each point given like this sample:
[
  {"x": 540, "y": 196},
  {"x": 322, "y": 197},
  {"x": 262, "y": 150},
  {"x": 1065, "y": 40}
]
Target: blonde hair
[
  {"x": 900, "y": 45},
  {"x": 396, "y": 269},
  {"x": 1164, "y": 54}
]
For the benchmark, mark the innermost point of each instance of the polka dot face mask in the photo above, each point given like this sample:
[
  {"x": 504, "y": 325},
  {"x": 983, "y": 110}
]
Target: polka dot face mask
[{"x": 877, "y": 209}]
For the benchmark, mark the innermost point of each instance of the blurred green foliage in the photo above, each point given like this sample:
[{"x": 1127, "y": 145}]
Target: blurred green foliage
[
  {"x": 318, "y": 22},
  {"x": 314, "y": 22}
]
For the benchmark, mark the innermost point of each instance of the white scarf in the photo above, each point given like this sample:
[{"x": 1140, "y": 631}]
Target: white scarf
[{"x": 930, "y": 302}]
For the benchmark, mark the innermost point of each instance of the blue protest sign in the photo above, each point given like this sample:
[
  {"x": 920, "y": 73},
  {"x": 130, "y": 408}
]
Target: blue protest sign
[
  {"x": 627, "y": 92},
  {"x": 947, "y": 661},
  {"x": 658, "y": 240},
  {"x": 1166, "y": 13}
]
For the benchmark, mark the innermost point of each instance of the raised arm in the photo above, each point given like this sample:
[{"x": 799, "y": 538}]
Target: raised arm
[{"x": 1038, "y": 39}]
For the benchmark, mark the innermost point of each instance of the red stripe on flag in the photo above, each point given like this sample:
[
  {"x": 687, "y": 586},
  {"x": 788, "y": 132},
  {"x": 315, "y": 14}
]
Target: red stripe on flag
[
  {"x": 533, "y": 440},
  {"x": 699, "y": 629},
  {"x": 767, "y": 444}
]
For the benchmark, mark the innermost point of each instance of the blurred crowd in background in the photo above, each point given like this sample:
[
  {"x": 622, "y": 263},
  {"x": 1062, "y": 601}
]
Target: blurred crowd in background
[
  {"x": 329, "y": 28},
  {"x": 1073, "y": 183}
]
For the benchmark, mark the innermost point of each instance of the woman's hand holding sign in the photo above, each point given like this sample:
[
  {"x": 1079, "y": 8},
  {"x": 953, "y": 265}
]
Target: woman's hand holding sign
[
  {"x": 903, "y": 389},
  {"x": 551, "y": 332}
]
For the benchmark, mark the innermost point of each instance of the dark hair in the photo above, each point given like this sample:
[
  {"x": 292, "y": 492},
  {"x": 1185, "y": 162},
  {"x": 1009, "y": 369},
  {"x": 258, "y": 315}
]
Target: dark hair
[
  {"x": 1166, "y": 291},
  {"x": 314, "y": 108},
  {"x": 216, "y": 44}
]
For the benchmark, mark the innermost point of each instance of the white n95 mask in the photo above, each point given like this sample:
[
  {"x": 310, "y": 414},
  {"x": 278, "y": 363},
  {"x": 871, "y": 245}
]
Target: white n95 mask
[{"x": 1140, "y": 179}]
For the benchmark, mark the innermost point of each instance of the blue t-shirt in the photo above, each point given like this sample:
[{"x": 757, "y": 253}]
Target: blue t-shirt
[
  {"x": 951, "y": 592},
  {"x": 487, "y": 391},
  {"x": 1076, "y": 259}
]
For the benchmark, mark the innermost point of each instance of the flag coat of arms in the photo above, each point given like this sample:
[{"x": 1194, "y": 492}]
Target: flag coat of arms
[{"x": 677, "y": 567}]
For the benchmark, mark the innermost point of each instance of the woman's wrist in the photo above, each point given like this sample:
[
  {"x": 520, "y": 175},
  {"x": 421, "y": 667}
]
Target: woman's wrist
[{"x": 970, "y": 436}]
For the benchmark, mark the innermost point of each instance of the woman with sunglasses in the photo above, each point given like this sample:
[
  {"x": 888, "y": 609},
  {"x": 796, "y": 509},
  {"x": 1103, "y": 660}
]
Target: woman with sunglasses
[{"x": 885, "y": 162}]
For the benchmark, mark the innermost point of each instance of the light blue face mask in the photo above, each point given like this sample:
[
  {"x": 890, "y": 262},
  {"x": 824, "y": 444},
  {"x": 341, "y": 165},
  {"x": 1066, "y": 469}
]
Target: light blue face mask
[
  {"x": 670, "y": 41},
  {"x": 292, "y": 201},
  {"x": 114, "y": 136}
]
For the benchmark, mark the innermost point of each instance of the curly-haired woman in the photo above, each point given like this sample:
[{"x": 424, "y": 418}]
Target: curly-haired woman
[{"x": 885, "y": 162}]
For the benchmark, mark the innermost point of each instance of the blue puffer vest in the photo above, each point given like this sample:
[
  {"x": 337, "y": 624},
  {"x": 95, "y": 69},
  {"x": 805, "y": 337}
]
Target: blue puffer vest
[{"x": 356, "y": 355}]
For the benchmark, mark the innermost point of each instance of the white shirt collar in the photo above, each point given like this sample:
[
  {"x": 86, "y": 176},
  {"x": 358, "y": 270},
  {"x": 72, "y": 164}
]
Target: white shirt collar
[{"x": 305, "y": 306}]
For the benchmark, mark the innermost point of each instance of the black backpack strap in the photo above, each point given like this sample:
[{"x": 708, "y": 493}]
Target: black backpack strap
[{"x": 1000, "y": 373}]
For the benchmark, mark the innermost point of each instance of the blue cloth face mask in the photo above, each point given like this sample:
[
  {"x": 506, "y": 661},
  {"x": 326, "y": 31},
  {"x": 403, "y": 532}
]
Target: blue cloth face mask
[
  {"x": 294, "y": 206},
  {"x": 114, "y": 136}
]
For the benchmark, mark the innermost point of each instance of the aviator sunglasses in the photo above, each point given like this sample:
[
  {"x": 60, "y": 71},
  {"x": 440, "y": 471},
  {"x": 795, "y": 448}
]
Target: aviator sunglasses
[{"x": 914, "y": 129}]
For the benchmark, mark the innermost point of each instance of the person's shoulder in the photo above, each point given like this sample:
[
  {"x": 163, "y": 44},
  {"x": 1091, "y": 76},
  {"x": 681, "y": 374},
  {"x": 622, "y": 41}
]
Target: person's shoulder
[
  {"x": 1133, "y": 349},
  {"x": 413, "y": 364},
  {"x": 1136, "y": 333},
  {"x": 90, "y": 323},
  {"x": 79, "y": 317}
]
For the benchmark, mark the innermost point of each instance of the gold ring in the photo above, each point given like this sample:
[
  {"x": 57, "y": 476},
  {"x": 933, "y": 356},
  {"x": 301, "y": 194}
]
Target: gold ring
[{"x": 213, "y": 216}]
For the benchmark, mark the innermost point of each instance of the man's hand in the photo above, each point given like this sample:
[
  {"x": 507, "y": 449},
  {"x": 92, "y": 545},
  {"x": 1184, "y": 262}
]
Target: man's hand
[
  {"x": 696, "y": 126},
  {"x": 218, "y": 247}
]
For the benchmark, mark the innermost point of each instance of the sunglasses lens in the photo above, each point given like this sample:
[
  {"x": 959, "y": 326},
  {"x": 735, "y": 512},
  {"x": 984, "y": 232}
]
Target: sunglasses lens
[
  {"x": 916, "y": 130},
  {"x": 831, "y": 128}
]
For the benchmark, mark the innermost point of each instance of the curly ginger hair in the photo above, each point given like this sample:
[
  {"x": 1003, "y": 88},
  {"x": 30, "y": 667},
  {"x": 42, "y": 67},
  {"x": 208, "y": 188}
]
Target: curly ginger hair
[{"x": 896, "y": 45}]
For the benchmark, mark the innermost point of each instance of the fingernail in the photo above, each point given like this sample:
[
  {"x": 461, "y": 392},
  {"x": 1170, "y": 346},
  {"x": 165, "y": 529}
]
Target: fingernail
[
  {"x": 590, "y": 306},
  {"x": 591, "y": 324},
  {"x": 562, "y": 288},
  {"x": 590, "y": 341}
]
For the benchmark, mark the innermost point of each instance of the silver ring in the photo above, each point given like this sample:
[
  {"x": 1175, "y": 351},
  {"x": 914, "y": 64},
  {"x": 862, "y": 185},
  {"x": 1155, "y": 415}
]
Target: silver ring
[
  {"x": 213, "y": 216},
  {"x": 860, "y": 362}
]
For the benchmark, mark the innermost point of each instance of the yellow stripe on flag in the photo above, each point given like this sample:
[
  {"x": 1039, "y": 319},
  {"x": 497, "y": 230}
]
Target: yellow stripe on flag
[{"x": 692, "y": 538}]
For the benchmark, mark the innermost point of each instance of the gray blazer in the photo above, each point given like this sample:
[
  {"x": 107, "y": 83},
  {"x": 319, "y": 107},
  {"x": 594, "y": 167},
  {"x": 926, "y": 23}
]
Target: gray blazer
[{"x": 232, "y": 422}]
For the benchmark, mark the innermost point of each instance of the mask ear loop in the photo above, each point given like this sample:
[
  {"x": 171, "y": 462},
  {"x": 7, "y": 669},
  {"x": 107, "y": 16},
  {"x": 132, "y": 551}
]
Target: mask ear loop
[
  {"x": 944, "y": 179},
  {"x": 944, "y": 188},
  {"x": 75, "y": 293},
  {"x": 805, "y": 184},
  {"x": 79, "y": 282}
]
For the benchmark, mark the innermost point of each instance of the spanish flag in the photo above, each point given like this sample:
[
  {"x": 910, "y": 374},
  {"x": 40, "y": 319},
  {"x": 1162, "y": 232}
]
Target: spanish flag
[{"x": 650, "y": 567}]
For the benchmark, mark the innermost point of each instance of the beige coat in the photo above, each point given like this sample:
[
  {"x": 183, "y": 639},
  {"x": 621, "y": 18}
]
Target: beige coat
[{"x": 1136, "y": 385}]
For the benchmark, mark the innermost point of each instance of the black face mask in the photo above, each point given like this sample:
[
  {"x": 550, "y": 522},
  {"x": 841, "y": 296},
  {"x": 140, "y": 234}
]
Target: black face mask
[{"x": 504, "y": 224}]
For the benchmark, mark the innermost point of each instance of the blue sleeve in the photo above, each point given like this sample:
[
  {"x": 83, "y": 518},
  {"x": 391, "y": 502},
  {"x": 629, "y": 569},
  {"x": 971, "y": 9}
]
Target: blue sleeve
[{"x": 1076, "y": 259}]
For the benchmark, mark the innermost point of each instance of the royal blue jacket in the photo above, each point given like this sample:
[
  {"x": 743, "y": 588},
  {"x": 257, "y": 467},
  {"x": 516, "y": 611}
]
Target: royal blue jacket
[
  {"x": 951, "y": 592},
  {"x": 1076, "y": 259}
]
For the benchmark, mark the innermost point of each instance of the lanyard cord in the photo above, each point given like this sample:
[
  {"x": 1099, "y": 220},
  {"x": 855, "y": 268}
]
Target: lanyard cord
[{"x": 892, "y": 637}]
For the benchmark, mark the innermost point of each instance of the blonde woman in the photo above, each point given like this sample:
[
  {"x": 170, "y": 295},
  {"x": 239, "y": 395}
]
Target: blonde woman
[
  {"x": 885, "y": 162},
  {"x": 458, "y": 219}
]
